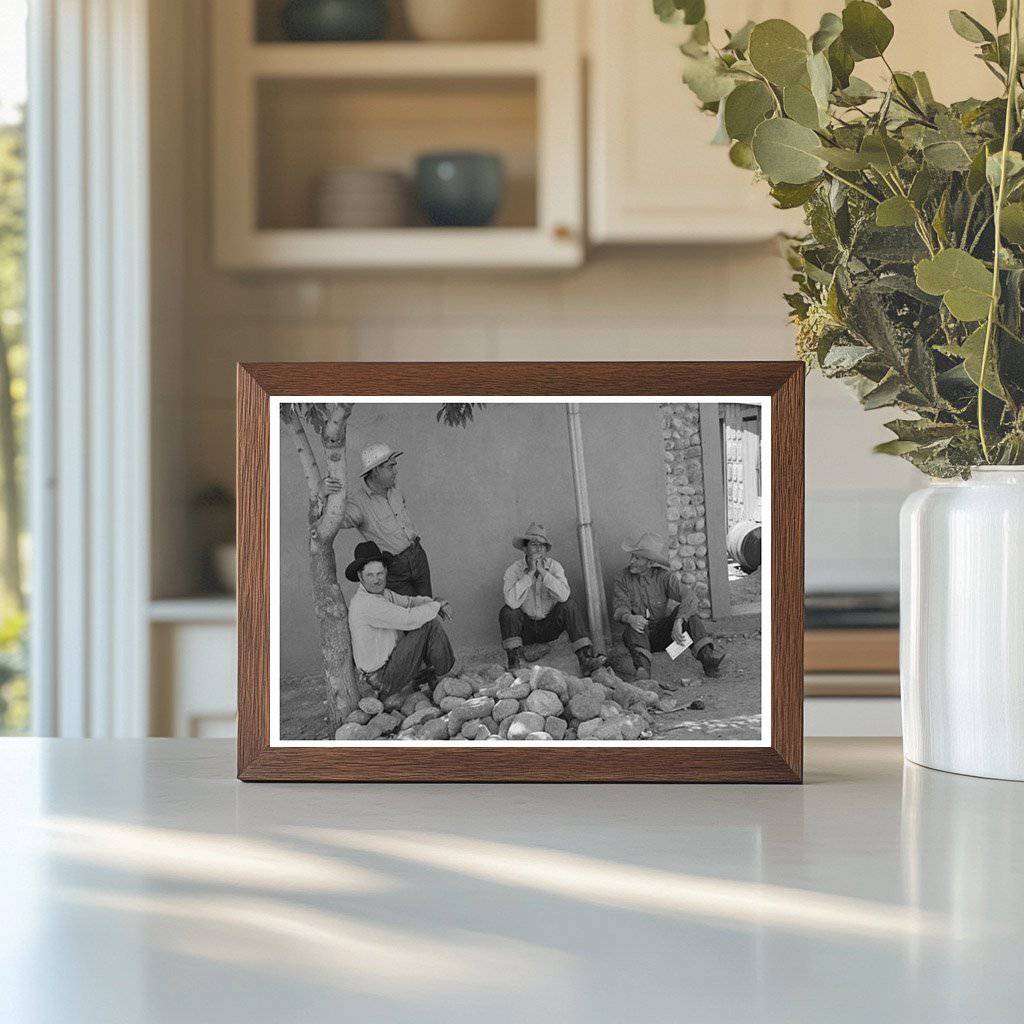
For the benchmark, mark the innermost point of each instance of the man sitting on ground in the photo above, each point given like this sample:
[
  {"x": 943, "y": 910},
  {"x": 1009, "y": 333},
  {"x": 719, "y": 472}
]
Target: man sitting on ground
[
  {"x": 656, "y": 607},
  {"x": 538, "y": 607},
  {"x": 397, "y": 641}
]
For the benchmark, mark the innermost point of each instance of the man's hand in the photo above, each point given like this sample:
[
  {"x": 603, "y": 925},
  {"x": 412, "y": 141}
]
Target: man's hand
[
  {"x": 637, "y": 622},
  {"x": 331, "y": 486},
  {"x": 678, "y": 629}
]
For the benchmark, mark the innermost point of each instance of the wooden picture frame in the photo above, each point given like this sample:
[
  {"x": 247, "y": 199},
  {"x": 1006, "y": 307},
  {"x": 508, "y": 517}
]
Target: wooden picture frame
[{"x": 779, "y": 759}]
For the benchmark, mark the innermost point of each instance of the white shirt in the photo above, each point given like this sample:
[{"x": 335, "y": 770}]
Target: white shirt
[
  {"x": 377, "y": 622},
  {"x": 535, "y": 596}
]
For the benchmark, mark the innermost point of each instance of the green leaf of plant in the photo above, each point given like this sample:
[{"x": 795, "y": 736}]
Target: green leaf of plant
[
  {"x": 866, "y": 29},
  {"x": 788, "y": 196},
  {"x": 857, "y": 91},
  {"x": 923, "y": 431},
  {"x": 1014, "y": 167},
  {"x": 884, "y": 394},
  {"x": 829, "y": 30},
  {"x": 707, "y": 78},
  {"x": 741, "y": 155},
  {"x": 882, "y": 151},
  {"x": 673, "y": 11},
  {"x": 779, "y": 51},
  {"x": 969, "y": 28},
  {"x": 947, "y": 156},
  {"x": 999, "y": 9},
  {"x": 1012, "y": 223},
  {"x": 971, "y": 352},
  {"x": 800, "y": 106},
  {"x": 976, "y": 173},
  {"x": 924, "y": 88},
  {"x": 786, "y": 151},
  {"x": 895, "y": 212},
  {"x": 895, "y": 447},
  {"x": 745, "y": 108},
  {"x": 922, "y": 185},
  {"x": 739, "y": 41},
  {"x": 819, "y": 74},
  {"x": 963, "y": 281},
  {"x": 844, "y": 159}
]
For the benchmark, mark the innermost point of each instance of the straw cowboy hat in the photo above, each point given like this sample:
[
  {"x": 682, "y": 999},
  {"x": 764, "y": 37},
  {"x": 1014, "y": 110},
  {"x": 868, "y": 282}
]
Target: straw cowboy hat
[
  {"x": 366, "y": 551},
  {"x": 374, "y": 455},
  {"x": 649, "y": 546},
  {"x": 533, "y": 532}
]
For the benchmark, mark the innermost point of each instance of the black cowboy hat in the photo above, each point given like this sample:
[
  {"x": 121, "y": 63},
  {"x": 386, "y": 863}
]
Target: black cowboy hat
[{"x": 366, "y": 551}]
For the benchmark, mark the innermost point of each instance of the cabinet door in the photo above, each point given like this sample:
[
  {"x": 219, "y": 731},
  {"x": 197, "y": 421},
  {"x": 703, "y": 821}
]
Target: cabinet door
[{"x": 654, "y": 176}]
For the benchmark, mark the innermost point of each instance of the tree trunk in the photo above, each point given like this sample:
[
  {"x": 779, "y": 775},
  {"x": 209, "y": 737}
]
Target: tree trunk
[{"x": 332, "y": 616}]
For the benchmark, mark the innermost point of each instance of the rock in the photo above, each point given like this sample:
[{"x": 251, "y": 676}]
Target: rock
[
  {"x": 487, "y": 690},
  {"x": 555, "y": 727},
  {"x": 610, "y": 729},
  {"x": 584, "y": 706},
  {"x": 503, "y": 728},
  {"x": 515, "y": 690},
  {"x": 609, "y": 709},
  {"x": 460, "y": 687},
  {"x": 505, "y": 708},
  {"x": 505, "y": 679},
  {"x": 475, "y": 730},
  {"x": 696, "y": 705},
  {"x": 421, "y": 715},
  {"x": 410, "y": 703},
  {"x": 625, "y": 693},
  {"x": 586, "y": 688},
  {"x": 434, "y": 729},
  {"x": 371, "y": 706},
  {"x": 476, "y": 707},
  {"x": 353, "y": 731},
  {"x": 450, "y": 703},
  {"x": 491, "y": 672},
  {"x": 633, "y": 727},
  {"x": 547, "y": 678},
  {"x": 538, "y": 736},
  {"x": 570, "y": 734},
  {"x": 358, "y": 717},
  {"x": 492, "y": 725},
  {"x": 386, "y": 721},
  {"x": 523, "y": 724},
  {"x": 495, "y": 737},
  {"x": 544, "y": 702},
  {"x": 587, "y": 729}
]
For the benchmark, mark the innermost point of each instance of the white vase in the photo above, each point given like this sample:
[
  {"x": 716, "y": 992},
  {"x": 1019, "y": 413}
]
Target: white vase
[{"x": 962, "y": 624}]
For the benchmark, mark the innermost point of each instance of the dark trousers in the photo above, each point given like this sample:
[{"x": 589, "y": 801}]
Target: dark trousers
[
  {"x": 427, "y": 647},
  {"x": 409, "y": 572},
  {"x": 658, "y": 636},
  {"x": 517, "y": 628}
]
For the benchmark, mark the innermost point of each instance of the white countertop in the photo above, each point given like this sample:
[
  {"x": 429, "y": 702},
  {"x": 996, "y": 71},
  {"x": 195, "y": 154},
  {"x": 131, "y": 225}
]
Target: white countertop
[{"x": 140, "y": 882}]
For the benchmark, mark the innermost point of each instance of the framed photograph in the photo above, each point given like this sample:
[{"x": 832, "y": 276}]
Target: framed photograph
[{"x": 564, "y": 572}]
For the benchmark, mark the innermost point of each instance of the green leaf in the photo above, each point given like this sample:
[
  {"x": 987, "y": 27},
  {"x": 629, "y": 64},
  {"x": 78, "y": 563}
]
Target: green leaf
[
  {"x": 999, "y": 9},
  {"x": 866, "y": 29},
  {"x": 690, "y": 12},
  {"x": 1011, "y": 226},
  {"x": 779, "y": 51},
  {"x": 924, "y": 88},
  {"x": 841, "y": 63},
  {"x": 788, "y": 196},
  {"x": 829, "y": 30},
  {"x": 819, "y": 75},
  {"x": 922, "y": 185},
  {"x": 895, "y": 212},
  {"x": 741, "y": 155},
  {"x": 801, "y": 106},
  {"x": 969, "y": 28},
  {"x": 976, "y": 173},
  {"x": 923, "y": 431},
  {"x": 844, "y": 159},
  {"x": 947, "y": 156},
  {"x": 885, "y": 394},
  {"x": 963, "y": 281},
  {"x": 786, "y": 151},
  {"x": 993, "y": 165},
  {"x": 895, "y": 447},
  {"x": 857, "y": 91},
  {"x": 882, "y": 151},
  {"x": 745, "y": 108},
  {"x": 971, "y": 352},
  {"x": 707, "y": 78},
  {"x": 739, "y": 41}
]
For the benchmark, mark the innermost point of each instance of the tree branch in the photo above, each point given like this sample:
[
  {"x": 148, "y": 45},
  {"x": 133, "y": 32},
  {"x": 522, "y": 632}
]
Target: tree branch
[
  {"x": 333, "y": 436},
  {"x": 293, "y": 417}
]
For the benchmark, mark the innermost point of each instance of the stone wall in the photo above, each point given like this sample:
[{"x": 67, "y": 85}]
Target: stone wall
[{"x": 684, "y": 487}]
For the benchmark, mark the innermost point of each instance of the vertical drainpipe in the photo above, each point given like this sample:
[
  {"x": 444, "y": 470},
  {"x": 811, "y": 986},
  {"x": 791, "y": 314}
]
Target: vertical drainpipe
[{"x": 593, "y": 583}]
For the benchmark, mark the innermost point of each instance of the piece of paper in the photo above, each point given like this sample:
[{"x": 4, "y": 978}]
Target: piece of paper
[{"x": 674, "y": 649}]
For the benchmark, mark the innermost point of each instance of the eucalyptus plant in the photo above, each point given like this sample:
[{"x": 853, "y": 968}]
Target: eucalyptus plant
[{"x": 910, "y": 278}]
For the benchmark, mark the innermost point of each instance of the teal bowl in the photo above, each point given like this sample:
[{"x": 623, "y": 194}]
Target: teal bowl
[
  {"x": 460, "y": 189},
  {"x": 334, "y": 21}
]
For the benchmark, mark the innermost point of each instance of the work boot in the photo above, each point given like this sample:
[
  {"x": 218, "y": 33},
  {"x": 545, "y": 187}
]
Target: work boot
[
  {"x": 710, "y": 659},
  {"x": 589, "y": 661},
  {"x": 515, "y": 658},
  {"x": 643, "y": 671}
]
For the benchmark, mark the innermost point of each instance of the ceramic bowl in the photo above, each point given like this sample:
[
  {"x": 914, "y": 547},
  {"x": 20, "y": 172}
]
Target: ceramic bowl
[
  {"x": 460, "y": 189},
  {"x": 333, "y": 21}
]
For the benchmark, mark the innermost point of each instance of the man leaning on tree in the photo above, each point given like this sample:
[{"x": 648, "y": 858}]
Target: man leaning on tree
[
  {"x": 538, "y": 605},
  {"x": 656, "y": 607},
  {"x": 378, "y": 511}
]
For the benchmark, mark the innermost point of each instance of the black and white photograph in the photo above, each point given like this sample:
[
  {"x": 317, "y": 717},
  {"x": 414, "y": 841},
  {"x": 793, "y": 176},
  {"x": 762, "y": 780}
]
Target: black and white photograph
[{"x": 515, "y": 570}]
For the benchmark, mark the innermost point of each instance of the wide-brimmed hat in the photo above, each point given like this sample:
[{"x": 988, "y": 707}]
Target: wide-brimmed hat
[
  {"x": 374, "y": 455},
  {"x": 533, "y": 532},
  {"x": 366, "y": 551},
  {"x": 647, "y": 545}
]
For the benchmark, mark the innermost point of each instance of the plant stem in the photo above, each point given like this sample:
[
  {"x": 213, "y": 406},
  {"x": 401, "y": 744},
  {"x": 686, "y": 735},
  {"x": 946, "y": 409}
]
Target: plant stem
[
  {"x": 853, "y": 185},
  {"x": 1011, "y": 108}
]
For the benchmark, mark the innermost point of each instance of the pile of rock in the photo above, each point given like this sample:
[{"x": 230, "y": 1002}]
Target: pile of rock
[{"x": 486, "y": 702}]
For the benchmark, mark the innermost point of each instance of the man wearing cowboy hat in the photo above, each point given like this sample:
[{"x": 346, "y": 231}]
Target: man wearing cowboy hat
[
  {"x": 378, "y": 511},
  {"x": 538, "y": 607},
  {"x": 394, "y": 636},
  {"x": 656, "y": 607}
]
